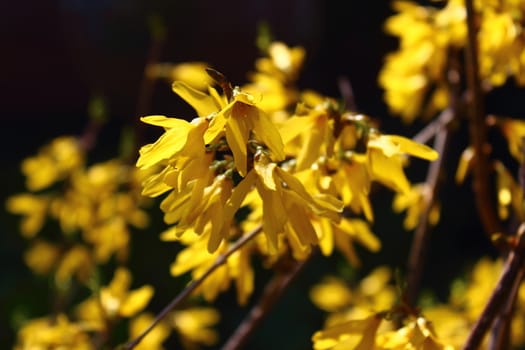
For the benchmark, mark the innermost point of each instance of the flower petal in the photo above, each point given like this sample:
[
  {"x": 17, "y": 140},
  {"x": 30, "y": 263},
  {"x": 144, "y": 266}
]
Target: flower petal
[{"x": 203, "y": 104}]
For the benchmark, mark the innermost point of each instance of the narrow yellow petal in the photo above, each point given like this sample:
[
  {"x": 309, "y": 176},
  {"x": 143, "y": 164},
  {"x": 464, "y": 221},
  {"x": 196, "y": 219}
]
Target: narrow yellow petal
[
  {"x": 388, "y": 170},
  {"x": 313, "y": 143},
  {"x": 215, "y": 129},
  {"x": 301, "y": 225},
  {"x": 268, "y": 133},
  {"x": 136, "y": 301},
  {"x": 464, "y": 165},
  {"x": 274, "y": 215},
  {"x": 237, "y": 133},
  {"x": 203, "y": 104},
  {"x": 295, "y": 126},
  {"x": 394, "y": 144},
  {"x": 163, "y": 121},
  {"x": 166, "y": 146},
  {"x": 266, "y": 174}
]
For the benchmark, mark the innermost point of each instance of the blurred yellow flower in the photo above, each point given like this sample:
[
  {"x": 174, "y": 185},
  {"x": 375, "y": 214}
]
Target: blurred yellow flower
[
  {"x": 33, "y": 208},
  {"x": 117, "y": 299},
  {"x": 354, "y": 334},
  {"x": 415, "y": 202},
  {"x": 192, "y": 73},
  {"x": 155, "y": 338},
  {"x": 53, "y": 333},
  {"x": 41, "y": 257},
  {"x": 53, "y": 163},
  {"x": 193, "y": 325}
]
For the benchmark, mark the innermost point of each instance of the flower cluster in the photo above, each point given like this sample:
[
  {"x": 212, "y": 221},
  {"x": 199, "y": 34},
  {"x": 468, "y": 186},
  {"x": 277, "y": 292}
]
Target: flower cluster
[
  {"x": 417, "y": 74},
  {"x": 94, "y": 208},
  {"x": 268, "y": 155},
  {"x": 367, "y": 317}
]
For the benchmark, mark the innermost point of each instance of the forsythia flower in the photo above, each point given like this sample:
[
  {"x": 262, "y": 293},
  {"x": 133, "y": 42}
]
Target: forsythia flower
[
  {"x": 193, "y": 326},
  {"x": 41, "y": 257},
  {"x": 197, "y": 259},
  {"x": 359, "y": 317},
  {"x": 114, "y": 300},
  {"x": 415, "y": 202},
  {"x": 234, "y": 167},
  {"x": 33, "y": 208},
  {"x": 117, "y": 299},
  {"x": 57, "y": 333},
  {"x": 155, "y": 338},
  {"x": 54, "y": 162},
  {"x": 192, "y": 73},
  {"x": 417, "y": 71},
  {"x": 373, "y": 294},
  {"x": 355, "y": 334},
  {"x": 274, "y": 78}
]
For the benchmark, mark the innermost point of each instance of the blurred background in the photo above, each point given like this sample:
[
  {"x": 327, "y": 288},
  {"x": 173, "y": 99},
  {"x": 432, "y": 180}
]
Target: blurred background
[{"x": 58, "y": 56}]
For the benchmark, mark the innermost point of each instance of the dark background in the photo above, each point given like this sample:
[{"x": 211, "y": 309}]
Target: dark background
[{"x": 57, "y": 55}]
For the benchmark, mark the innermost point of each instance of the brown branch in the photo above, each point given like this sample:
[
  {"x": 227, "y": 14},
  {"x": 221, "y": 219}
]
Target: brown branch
[
  {"x": 186, "y": 292},
  {"x": 272, "y": 292},
  {"x": 431, "y": 129},
  {"x": 500, "y": 335},
  {"x": 421, "y": 235},
  {"x": 478, "y": 130},
  {"x": 502, "y": 292}
]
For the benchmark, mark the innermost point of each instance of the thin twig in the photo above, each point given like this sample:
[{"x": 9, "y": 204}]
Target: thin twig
[
  {"x": 478, "y": 130},
  {"x": 501, "y": 293},
  {"x": 431, "y": 129},
  {"x": 186, "y": 292},
  {"x": 272, "y": 292},
  {"x": 421, "y": 235}
]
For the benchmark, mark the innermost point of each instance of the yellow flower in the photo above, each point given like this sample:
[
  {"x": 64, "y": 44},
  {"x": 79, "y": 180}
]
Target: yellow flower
[
  {"x": 510, "y": 193},
  {"x": 33, "y": 208},
  {"x": 192, "y": 73},
  {"x": 205, "y": 205},
  {"x": 155, "y": 338},
  {"x": 373, "y": 294},
  {"x": 114, "y": 300},
  {"x": 235, "y": 120},
  {"x": 193, "y": 326},
  {"x": 283, "y": 62},
  {"x": 76, "y": 262},
  {"x": 354, "y": 334},
  {"x": 56, "y": 333},
  {"x": 415, "y": 202},
  {"x": 41, "y": 257},
  {"x": 500, "y": 46},
  {"x": 343, "y": 234},
  {"x": 274, "y": 78},
  {"x": 117, "y": 299},
  {"x": 53, "y": 163},
  {"x": 414, "y": 73},
  {"x": 331, "y": 294},
  {"x": 286, "y": 203},
  {"x": 417, "y": 334},
  {"x": 197, "y": 259},
  {"x": 110, "y": 237},
  {"x": 181, "y": 138},
  {"x": 386, "y": 160},
  {"x": 514, "y": 131}
]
